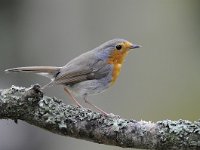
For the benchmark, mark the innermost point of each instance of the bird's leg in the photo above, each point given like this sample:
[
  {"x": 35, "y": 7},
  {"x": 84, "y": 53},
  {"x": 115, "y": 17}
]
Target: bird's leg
[
  {"x": 72, "y": 97},
  {"x": 99, "y": 109}
]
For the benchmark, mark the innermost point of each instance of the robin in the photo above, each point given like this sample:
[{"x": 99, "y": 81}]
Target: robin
[{"x": 90, "y": 73}]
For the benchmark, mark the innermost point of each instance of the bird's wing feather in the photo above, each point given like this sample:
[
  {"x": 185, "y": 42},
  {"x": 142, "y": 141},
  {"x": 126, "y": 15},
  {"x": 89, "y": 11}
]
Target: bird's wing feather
[{"x": 80, "y": 69}]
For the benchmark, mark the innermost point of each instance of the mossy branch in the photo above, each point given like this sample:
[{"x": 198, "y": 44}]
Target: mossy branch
[{"x": 29, "y": 105}]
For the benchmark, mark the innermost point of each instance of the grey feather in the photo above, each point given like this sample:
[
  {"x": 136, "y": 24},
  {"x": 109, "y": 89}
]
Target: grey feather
[{"x": 47, "y": 71}]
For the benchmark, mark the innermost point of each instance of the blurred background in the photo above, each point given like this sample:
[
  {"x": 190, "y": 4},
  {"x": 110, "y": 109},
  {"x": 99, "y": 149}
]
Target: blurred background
[{"x": 158, "y": 81}]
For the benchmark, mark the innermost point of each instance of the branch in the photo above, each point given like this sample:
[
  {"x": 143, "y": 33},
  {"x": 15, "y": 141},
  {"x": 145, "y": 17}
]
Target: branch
[{"x": 29, "y": 105}]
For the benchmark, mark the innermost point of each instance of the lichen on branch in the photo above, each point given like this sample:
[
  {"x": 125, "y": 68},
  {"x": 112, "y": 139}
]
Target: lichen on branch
[{"x": 31, "y": 106}]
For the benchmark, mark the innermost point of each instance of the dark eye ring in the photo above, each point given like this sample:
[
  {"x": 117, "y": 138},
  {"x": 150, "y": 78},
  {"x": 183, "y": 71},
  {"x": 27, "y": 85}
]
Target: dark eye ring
[{"x": 118, "y": 47}]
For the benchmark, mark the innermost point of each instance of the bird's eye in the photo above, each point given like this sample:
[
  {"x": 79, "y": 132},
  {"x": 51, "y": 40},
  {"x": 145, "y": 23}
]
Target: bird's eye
[{"x": 118, "y": 47}]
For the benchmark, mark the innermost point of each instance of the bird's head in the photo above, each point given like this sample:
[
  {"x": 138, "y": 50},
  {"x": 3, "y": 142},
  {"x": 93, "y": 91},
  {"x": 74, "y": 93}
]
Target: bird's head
[
  {"x": 118, "y": 49},
  {"x": 115, "y": 52}
]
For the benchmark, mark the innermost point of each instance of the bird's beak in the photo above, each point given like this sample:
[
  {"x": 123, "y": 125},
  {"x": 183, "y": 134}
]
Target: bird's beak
[{"x": 133, "y": 46}]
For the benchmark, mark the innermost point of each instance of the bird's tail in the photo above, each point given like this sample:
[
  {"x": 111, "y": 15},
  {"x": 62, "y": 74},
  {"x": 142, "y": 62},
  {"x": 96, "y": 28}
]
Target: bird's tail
[{"x": 47, "y": 71}]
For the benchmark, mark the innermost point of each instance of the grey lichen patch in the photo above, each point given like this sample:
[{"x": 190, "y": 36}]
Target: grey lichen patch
[
  {"x": 181, "y": 132},
  {"x": 197, "y": 127},
  {"x": 62, "y": 125},
  {"x": 49, "y": 109},
  {"x": 180, "y": 127},
  {"x": 12, "y": 93},
  {"x": 61, "y": 116},
  {"x": 117, "y": 124},
  {"x": 33, "y": 94}
]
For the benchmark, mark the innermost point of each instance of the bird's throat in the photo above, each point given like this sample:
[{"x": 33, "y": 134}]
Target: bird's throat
[{"x": 116, "y": 59}]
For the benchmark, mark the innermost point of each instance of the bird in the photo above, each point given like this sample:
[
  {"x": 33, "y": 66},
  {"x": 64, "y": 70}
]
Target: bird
[{"x": 91, "y": 73}]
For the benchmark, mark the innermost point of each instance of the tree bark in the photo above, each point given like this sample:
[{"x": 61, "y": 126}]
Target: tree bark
[{"x": 29, "y": 105}]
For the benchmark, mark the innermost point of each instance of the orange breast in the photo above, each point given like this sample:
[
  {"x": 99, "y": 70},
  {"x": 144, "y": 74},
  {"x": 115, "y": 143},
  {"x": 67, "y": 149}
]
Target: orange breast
[{"x": 117, "y": 59}]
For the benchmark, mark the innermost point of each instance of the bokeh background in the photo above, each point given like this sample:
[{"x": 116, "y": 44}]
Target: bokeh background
[{"x": 159, "y": 81}]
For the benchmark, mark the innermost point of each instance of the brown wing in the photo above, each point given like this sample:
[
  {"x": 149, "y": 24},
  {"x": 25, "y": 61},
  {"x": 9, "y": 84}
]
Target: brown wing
[
  {"x": 72, "y": 77},
  {"x": 78, "y": 73}
]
